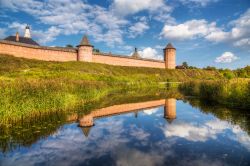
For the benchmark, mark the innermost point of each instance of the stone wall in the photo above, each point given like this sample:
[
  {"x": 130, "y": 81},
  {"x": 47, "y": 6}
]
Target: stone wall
[
  {"x": 127, "y": 61},
  {"x": 38, "y": 52},
  {"x": 63, "y": 54}
]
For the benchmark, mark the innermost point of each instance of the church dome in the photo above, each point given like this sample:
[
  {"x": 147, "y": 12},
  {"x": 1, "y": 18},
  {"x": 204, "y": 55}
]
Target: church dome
[{"x": 136, "y": 54}]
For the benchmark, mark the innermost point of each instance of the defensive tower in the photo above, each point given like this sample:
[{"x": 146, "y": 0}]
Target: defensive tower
[
  {"x": 85, "y": 50},
  {"x": 169, "y": 56}
]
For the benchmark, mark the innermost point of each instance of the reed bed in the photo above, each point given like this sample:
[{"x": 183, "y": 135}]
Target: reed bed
[{"x": 233, "y": 93}]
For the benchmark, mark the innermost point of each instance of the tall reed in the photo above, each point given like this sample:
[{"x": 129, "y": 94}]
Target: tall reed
[{"x": 231, "y": 93}]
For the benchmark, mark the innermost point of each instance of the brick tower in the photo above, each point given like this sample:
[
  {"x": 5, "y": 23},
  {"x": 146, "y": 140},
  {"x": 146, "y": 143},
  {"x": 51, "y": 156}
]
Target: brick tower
[
  {"x": 169, "y": 56},
  {"x": 85, "y": 50}
]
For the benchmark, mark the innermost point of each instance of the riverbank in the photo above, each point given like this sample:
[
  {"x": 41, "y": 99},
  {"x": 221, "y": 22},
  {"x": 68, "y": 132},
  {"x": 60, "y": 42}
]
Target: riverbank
[
  {"x": 30, "y": 87},
  {"x": 233, "y": 93}
]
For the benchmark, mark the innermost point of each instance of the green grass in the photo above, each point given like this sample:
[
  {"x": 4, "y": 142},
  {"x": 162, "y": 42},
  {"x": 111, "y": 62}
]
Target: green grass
[
  {"x": 31, "y": 87},
  {"x": 233, "y": 93},
  {"x": 11, "y": 67}
]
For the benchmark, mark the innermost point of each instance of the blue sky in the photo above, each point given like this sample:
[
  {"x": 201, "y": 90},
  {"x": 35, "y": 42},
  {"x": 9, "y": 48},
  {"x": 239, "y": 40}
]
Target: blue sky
[{"x": 205, "y": 32}]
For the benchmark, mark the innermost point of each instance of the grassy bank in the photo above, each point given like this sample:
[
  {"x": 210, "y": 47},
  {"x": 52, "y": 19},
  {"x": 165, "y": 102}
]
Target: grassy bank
[
  {"x": 231, "y": 93},
  {"x": 11, "y": 68},
  {"x": 21, "y": 98},
  {"x": 30, "y": 87}
]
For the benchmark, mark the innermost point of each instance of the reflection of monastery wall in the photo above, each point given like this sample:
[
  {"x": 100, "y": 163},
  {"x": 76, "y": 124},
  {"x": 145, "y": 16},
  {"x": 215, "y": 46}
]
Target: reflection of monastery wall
[
  {"x": 169, "y": 112},
  {"x": 84, "y": 52}
]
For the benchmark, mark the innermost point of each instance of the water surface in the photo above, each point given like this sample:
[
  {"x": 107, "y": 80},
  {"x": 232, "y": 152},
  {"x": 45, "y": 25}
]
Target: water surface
[{"x": 153, "y": 132}]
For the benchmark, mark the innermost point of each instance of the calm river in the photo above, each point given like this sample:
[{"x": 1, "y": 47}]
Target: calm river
[{"x": 147, "y": 133}]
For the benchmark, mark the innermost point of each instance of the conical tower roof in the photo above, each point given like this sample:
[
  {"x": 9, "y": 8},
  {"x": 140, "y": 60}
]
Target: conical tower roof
[
  {"x": 85, "y": 41},
  {"x": 169, "y": 120},
  {"x": 86, "y": 131},
  {"x": 136, "y": 54},
  {"x": 169, "y": 46}
]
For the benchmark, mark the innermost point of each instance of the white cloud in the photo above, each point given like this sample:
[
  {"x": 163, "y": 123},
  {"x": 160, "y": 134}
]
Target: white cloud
[
  {"x": 209, "y": 130},
  {"x": 198, "y": 3},
  {"x": 189, "y": 30},
  {"x": 238, "y": 35},
  {"x": 243, "y": 42},
  {"x": 108, "y": 25},
  {"x": 47, "y": 36},
  {"x": 138, "y": 29},
  {"x": 128, "y": 156},
  {"x": 150, "y": 53},
  {"x": 128, "y": 7},
  {"x": 226, "y": 57},
  {"x": 241, "y": 30},
  {"x": 74, "y": 17},
  {"x": 17, "y": 26},
  {"x": 157, "y": 9},
  {"x": 190, "y": 132},
  {"x": 217, "y": 35},
  {"x": 139, "y": 133},
  {"x": 2, "y": 32},
  {"x": 30, "y": 6},
  {"x": 150, "y": 111}
]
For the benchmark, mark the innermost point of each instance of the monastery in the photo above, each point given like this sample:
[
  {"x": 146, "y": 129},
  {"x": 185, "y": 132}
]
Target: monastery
[{"x": 26, "y": 47}]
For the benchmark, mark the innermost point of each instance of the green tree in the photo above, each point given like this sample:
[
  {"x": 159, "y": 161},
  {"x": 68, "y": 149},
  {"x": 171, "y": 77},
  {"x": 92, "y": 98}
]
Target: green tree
[
  {"x": 185, "y": 64},
  {"x": 69, "y": 45},
  {"x": 209, "y": 68},
  {"x": 96, "y": 50},
  {"x": 229, "y": 74}
]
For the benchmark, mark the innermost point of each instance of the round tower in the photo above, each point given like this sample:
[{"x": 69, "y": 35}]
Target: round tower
[
  {"x": 169, "y": 56},
  {"x": 85, "y": 50}
]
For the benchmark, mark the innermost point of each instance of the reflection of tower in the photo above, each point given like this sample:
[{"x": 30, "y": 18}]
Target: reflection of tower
[
  {"x": 86, "y": 121},
  {"x": 136, "y": 114},
  {"x": 86, "y": 131},
  {"x": 170, "y": 109}
]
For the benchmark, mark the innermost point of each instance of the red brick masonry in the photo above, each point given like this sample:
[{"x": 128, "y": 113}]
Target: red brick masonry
[
  {"x": 169, "y": 110},
  {"x": 62, "y": 54}
]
